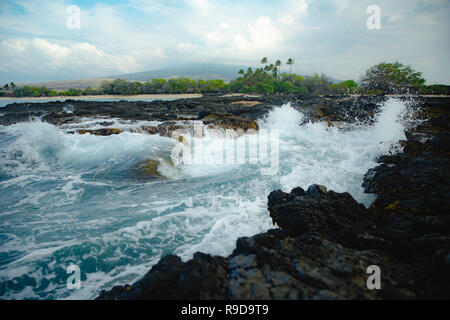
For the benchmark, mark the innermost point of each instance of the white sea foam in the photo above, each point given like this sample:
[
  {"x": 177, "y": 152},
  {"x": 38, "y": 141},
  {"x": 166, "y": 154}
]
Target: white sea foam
[{"x": 315, "y": 153}]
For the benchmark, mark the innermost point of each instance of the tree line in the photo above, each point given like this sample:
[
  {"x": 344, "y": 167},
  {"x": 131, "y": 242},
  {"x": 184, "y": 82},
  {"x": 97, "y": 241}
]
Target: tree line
[
  {"x": 269, "y": 79},
  {"x": 383, "y": 78}
]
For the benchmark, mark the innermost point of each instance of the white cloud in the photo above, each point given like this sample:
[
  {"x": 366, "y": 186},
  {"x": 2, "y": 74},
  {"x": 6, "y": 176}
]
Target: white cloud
[
  {"x": 139, "y": 35},
  {"x": 203, "y": 6},
  {"x": 264, "y": 33},
  {"x": 230, "y": 33},
  {"x": 186, "y": 45},
  {"x": 287, "y": 19},
  {"x": 159, "y": 53},
  {"x": 342, "y": 5},
  {"x": 42, "y": 56},
  {"x": 300, "y": 7},
  {"x": 397, "y": 17},
  {"x": 199, "y": 3}
]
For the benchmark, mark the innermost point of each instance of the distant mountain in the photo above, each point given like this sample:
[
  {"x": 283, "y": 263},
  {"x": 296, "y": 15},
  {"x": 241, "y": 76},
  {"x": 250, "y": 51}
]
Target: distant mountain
[
  {"x": 205, "y": 71},
  {"x": 333, "y": 80},
  {"x": 67, "y": 84}
]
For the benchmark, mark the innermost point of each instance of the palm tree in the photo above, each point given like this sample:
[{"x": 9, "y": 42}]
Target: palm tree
[
  {"x": 278, "y": 65},
  {"x": 264, "y": 61},
  {"x": 6, "y": 87},
  {"x": 12, "y": 86},
  {"x": 241, "y": 72},
  {"x": 290, "y": 62},
  {"x": 268, "y": 67},
  {"x": 275, "y": 72}
]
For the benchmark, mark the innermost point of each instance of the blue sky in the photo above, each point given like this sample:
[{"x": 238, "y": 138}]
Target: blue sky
[{"x": 121, "y": 36}]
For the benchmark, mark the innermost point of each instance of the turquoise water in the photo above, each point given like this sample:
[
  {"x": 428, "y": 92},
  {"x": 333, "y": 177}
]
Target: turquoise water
[{"x": 69, "y": 198}]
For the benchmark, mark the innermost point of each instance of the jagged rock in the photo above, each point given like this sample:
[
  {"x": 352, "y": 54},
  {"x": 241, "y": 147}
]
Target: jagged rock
[
  {"x": 203, "y": 277},
  {"x": 181, "y": 109},
  {"x": 413, "y": 199},
  {"x": 148, "y": 169},
  {"x": 229, "y": 121},
  {"x": 411, "y": 185},
  {"x": 336, "y": 214},
  {"x": 161, "y": 282},
  {"x": 101, "y": 132}
]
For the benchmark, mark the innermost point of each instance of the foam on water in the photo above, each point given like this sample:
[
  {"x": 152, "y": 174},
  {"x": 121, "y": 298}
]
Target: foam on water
[
  {"x": 69, "y": 198},
  {"x": 315, "y": 153}
]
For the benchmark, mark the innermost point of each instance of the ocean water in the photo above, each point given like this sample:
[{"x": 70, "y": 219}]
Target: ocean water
[{"x": 73, "y": 199}]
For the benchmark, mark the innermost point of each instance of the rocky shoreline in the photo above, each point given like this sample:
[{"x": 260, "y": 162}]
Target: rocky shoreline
[
  {"x": 223, "y": 111},
  {"x": 325, "y": 241}
]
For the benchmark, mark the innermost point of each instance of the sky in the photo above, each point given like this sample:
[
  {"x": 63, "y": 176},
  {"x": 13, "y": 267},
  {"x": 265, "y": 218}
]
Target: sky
[{"x": 39, "y": 40}]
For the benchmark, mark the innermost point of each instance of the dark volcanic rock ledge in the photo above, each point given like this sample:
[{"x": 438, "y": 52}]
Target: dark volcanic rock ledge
[
  {"x": 211, "y": 109},
  {"x": 58, "y": 112},
  {"x": 326, "y": 240}
]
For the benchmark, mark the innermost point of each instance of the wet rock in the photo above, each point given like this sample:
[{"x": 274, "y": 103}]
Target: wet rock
[
  {"x": 412, "y": 185},
  {"x": 181, "y": 109},
  {"x": 161, "y": 282},
  {"x": 336, "y": 214},
  {"x": 149, "y": 168},
  {"x": 203, "y": 277},
  {"x": 229, "y": 121},
  {"x": 413, "y": 198},
  {"x": 101, "y": 132},
  {"x": 150, "y": 129}
]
